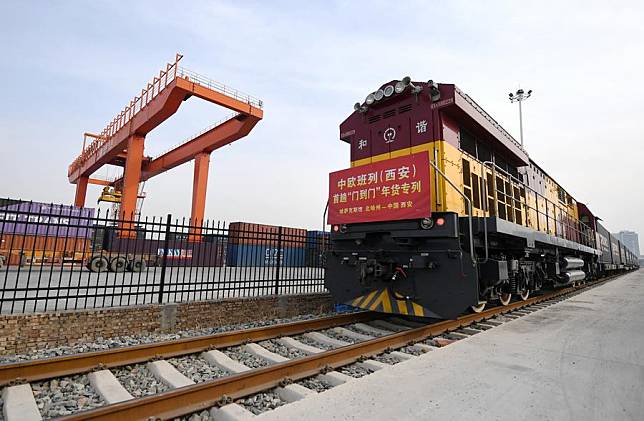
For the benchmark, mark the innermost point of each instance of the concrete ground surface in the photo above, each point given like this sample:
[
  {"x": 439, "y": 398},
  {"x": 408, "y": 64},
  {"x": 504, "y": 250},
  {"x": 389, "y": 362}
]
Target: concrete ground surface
[{"x": 581, "y": 359}]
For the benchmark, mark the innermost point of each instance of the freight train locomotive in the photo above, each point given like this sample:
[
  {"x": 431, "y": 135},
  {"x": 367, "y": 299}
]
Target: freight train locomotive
[{"x": 442, "y": 210}]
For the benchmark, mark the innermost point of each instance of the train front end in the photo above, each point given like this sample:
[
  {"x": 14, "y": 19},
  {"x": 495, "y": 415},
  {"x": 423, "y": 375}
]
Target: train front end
[{"x": 395, "y": 247}]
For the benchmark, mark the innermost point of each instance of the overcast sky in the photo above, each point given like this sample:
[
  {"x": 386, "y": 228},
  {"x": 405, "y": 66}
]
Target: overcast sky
[{"x": 69, "y": 67}]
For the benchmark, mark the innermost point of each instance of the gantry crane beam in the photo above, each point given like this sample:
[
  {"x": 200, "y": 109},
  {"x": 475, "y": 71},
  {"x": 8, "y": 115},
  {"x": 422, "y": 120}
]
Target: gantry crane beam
[
  {"x": 206, "y": 142},
  {"x": 221, "y": 135},
  {"x": 122, "y": 141},
  {"x": 198, "y": 148}
]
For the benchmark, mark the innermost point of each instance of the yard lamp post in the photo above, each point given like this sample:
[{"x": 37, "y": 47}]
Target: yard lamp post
[{"x": 519, "y": 97}]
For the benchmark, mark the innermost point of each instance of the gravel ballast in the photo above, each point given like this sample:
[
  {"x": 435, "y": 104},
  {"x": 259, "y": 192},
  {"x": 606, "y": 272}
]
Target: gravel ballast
[
  {"x": 306, "y": 340},
  {"x": 330, "y": 333},
  {"x": 101, "y": 344},
  {"x": 430, "y": 341},
  {"x": 411, "y": 350},
  {"x": 277, "y": 348},
  {"x": 354, "y": 370},
  {"x": 65, "y": 396},
  {"x": 316, "y": 384},
  {"x": 386, "y": 358},
  {"x": 138, "y": 380},
  {"x": 261, "y": 402},
  {"x": 197, "y": 416},
  {"x": 365, "y": 332},
  {"x": 239, "y": 354},
  {"x": 196, "y": 368}
]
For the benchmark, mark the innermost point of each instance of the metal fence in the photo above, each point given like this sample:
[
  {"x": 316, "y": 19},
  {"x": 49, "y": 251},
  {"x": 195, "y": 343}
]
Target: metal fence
[{"x": 58, "y": 257}]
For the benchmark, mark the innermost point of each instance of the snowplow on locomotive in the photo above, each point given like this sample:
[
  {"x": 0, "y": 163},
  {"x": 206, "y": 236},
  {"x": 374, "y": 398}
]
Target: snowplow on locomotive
[{"x": 442, "y": 210}]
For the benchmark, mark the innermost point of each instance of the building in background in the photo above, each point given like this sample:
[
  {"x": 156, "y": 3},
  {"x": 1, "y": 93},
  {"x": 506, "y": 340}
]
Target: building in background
[{"x": 630, "y": 239}]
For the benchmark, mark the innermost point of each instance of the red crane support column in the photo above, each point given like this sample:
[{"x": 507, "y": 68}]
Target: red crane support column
[
  {"x": 131, "y": 179},
  {"x": 199, "y": 186},
  {"x": 81, "y": 192}
]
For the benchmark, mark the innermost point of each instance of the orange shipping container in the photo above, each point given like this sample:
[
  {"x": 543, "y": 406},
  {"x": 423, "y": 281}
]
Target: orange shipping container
[
  {"x": 42, "y": 248},
  {"x": 260, "y": 234}
]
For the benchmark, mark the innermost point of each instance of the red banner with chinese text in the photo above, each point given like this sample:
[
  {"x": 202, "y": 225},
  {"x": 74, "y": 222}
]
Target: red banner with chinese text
[{"x": 394, "y": 189}]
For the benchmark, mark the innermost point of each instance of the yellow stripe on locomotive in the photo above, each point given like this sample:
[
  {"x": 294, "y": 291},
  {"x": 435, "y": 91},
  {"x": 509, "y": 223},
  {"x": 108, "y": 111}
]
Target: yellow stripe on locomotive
[{"x": 385, "y": 301}]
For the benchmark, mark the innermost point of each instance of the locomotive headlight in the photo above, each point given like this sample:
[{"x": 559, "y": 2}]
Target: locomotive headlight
[
  {"x": 426, "y": 223},
  {"x": 343, "y": 228},
  {"x": 400, "y": 86},
  {"x": 379, "y": 94},
  {"x": 370, "y": 99},
  {"x": 389, "y": 91}
]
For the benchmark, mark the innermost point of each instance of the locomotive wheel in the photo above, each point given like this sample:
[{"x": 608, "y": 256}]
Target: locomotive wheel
[
  {"x": 479, "y": 307},
  {"x": 98, "y": 264},
  {"x": 137, "y": 265},
  {"x": 118, "y": 264},
  {"x": 505, "y": 298},
  {"x": 524, "y": 294}
]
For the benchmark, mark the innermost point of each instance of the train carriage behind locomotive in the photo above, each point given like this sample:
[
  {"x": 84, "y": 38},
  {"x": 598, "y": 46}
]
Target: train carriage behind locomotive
[{"x": 489, "y": 223}]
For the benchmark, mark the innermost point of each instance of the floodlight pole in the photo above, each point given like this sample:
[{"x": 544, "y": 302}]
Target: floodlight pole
[
  {"x": 519, "y": 97},
  {"x": 521, "y": 122}
]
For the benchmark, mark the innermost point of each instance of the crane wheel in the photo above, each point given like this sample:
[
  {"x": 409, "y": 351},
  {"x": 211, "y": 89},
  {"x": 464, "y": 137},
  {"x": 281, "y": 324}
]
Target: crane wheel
[
  {"x": 118, "y": 264},
  {"x": 98, "y": 264},
  {"x": 137, "y": 265}
]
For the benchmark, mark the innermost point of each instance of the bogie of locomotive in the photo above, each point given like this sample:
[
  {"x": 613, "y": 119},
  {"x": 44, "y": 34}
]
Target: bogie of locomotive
[{"x": 442, "y": 210}]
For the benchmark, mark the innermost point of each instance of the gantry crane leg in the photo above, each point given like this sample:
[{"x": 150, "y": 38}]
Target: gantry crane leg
[
  {"x": 81, "y": 191},
  {"x": 131, "y": 179},
  {"x": 199, "y": 186}
]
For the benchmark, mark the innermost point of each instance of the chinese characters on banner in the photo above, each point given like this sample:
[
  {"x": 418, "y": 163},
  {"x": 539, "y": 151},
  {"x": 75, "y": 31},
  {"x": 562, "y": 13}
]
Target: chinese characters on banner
[{"x": 393, "y": 189}]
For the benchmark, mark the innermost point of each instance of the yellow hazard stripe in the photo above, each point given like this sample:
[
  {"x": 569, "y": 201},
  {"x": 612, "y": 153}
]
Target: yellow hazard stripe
[
  {"x": 376, "y": 298},
  {"x": 364, "y": 303},
  {"x": 383, "y": 299},
  {"x": 402, "y": 306},
  {"x": 401, "y": 303},
  {"x": 377, "y": 302},
  {"x": 418, "y": 309},
  {"x": 386, "y": 302}
]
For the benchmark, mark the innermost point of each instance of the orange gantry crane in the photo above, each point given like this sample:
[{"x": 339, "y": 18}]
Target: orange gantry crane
[{"x": 122, "y": 141}]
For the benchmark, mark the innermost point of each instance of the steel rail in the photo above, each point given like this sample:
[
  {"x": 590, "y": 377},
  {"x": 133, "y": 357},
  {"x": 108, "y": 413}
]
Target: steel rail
[
  {"x": 194, "y": 398},
  {"x": 28, "y": 371}
]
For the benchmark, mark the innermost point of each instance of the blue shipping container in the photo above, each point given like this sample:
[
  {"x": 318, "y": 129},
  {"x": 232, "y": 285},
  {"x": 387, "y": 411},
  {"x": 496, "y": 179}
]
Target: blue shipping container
[{"x": 263, "y": 255}]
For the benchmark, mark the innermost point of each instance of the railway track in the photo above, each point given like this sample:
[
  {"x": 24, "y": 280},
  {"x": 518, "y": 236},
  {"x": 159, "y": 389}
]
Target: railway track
[{"x": 321, "y": 347}]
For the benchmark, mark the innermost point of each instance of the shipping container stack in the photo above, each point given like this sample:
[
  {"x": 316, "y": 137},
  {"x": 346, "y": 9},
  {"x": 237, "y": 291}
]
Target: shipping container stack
[
  {"x": 209, "y": 252},
  {"x": 251, "y": 245},
  {"x": 43, "y": 233}
]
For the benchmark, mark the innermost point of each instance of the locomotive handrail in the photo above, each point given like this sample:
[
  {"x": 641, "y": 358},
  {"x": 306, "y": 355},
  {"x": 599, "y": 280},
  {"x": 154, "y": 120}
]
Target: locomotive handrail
[
  {"x": 584, "y": 238},
  {"x": 469, "y": 207},
  {"x": 485, "y": 209}
]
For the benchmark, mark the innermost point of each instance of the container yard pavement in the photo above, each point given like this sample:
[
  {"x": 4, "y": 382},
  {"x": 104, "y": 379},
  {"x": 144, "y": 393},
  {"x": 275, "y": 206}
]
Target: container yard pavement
[
  {"x": 581, "y": 359},
  {"x": 67, "y": 289}
]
